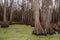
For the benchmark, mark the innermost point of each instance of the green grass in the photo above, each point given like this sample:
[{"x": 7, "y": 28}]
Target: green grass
[{"x": 23, "y": 32}]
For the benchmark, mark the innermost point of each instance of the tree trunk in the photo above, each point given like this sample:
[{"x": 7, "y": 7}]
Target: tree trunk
[
  {"x": 5, "y": 10},
  {"x": 5, "y": 24},
  {"x": 38, "y": 28},
  {"x": 58, "y": 25},
  {"x": 47, "y": 16},
  {"x": 11, "y": 14}
]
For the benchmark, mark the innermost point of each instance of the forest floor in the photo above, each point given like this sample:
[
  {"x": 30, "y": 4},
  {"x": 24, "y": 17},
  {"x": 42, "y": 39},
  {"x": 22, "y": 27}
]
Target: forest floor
[{"x": 23, "y": 32}]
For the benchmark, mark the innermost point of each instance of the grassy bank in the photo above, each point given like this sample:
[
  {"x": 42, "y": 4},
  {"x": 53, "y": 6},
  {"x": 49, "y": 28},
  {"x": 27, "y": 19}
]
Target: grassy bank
[{"x": 23, "y": 32}]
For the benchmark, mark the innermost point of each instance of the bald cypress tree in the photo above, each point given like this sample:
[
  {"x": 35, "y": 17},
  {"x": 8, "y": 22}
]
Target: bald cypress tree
[
  {"x": 5, "y": 24},
  {"x": 11, "y": 7},
  {"x": 37, "y": 25},
  {"x": 47, "y": 16}
]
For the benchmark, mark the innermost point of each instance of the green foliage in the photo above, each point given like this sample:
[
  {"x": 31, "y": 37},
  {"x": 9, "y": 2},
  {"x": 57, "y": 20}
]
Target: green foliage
[{"x": 23, "y": 32}]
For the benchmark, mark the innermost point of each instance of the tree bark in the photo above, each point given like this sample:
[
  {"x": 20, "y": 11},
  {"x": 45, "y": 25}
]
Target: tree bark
[
  {"x": 38, "y": 28},
  {"x": 11, "y": 14},
  {"x": 5, "y": 23},
  {"x": 58, "y": 25},
  {"x": 47, "y": 16},
  {"x": 5, "y": 10}
]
